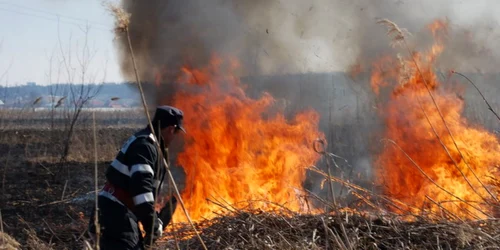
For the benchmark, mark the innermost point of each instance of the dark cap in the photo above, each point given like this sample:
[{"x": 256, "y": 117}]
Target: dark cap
[{"x": 168, "y": 116}]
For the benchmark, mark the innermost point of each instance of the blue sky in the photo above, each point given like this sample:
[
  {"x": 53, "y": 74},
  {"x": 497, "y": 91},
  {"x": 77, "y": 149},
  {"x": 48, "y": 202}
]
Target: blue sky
[{"x": 30, "y": 32}]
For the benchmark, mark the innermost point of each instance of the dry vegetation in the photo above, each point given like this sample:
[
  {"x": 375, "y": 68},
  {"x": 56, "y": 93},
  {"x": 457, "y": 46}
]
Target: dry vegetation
[
  {"x": 45, "y": 203},
  {"x": 7, "y": 242},
  {"x": 44, "y": 212},
  {"x": 11, "y": 119},
  {"x": 258, "y": 230}
]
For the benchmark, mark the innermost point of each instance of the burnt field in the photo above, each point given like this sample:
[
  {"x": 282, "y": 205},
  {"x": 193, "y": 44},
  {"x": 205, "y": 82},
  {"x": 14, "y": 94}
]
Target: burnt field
[{"x": 44, "y": 201}]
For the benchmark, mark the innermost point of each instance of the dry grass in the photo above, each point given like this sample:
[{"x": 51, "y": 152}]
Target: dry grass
[
  {"x": 7, "y": 242},
  {"x": 44, "y": 145},
  {"x": 122, "y": 18},
  {"x": 258, "y": 230},
  {"x": 35, "y": 243},
  {"x": 397, "y": 34},
  {"x": 39, "y": 118}
]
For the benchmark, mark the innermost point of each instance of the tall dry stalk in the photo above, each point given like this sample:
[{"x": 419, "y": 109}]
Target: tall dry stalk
[
  {"x": 434, "y": 182},
  {"x": 399, "y": 38},
  {"x": 480, "y": 93},
  {"x": 122, "y": 19},
  {"x": 323, "y": 152},
  {"x": 4, "y": 174},
  {"x": 355, "y": 189},
  {"x": 157, "y": 189},
  {"x": 1, "y": 229},
  {"x": 96, "y": 217}
]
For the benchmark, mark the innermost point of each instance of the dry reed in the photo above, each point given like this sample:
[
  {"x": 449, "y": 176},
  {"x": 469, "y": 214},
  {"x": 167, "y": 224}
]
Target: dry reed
[
  {"x": 261, "y": 230},
  {"x": 122, "y": 19},
  {"x": 399, "y": 39}
]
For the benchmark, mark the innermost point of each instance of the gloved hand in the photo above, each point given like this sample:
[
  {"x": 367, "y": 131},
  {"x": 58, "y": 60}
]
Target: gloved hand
[
  {"x": 158, "y": 228},
  {"x": 168, "y": 210},
  {"x": 157, "y": 233}
]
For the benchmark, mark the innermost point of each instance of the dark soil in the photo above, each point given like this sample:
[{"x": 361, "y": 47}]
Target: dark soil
[
  {"x": 32, "y": 199},
  {"x": 42, "y": 195}
]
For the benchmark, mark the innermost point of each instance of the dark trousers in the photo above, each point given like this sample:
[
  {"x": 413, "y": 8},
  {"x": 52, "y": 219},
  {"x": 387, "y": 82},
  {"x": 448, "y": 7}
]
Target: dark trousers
[{"x": 119, "y": 228}]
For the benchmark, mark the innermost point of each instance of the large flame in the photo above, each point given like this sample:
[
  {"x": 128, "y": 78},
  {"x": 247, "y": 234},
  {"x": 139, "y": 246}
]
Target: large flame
[
  {"x": 434, "y": 166},
  {"x": 238, "y": 149}
]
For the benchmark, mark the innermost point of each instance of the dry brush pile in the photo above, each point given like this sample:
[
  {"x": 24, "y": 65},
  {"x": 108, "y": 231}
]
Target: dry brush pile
[{"x": 260, "y": 230}]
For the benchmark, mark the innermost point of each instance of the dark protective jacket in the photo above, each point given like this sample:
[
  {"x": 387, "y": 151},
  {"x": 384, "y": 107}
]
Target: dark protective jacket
[{"x": 136, "y": 170}]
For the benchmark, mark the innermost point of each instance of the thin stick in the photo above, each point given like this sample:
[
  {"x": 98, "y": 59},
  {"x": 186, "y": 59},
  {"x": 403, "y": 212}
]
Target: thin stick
[
  {"x": 331, "y": 183},
  {"x": 447, "y": 128},
  {"x": 96, "y": 216},
  {"x": 337, "y": 238},
  {"x": 55, "y": 202},
  {"x": 449, "y": 154},
  {"x": 327, "y": 243},
  {"x": 346, "y": 236},
  {"x": 64, "y": 190},
  {"x": 322, "y": 151},
  {"x": 482, "y": 96},
  {"x": 157, "y": 143},
  {"x": 434, "y": 182},
  {"x": 52, "y": 231},
  {"x": 157, "y": 189},
  {"x": 170, "y": 193},
  {"x": 391, "y": 200},
  {"x": 87, "y": 245},
  {"x": 48, "y": 170},
  {"x": 401, "y": 38},
  {"x": 444, "y": 209},
  {"x": 1, "y": 227},
  {"x": 4, "y": 174}
]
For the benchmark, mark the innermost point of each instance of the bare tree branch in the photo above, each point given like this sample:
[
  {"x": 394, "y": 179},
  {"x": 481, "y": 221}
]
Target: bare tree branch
[{"x": 81, "y": 91}]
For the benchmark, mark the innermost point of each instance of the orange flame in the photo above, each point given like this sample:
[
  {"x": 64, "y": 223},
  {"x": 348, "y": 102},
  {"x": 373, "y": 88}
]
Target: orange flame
[
  {"x": 448, "y": 181},
  {"x": 237, "y": 150}
]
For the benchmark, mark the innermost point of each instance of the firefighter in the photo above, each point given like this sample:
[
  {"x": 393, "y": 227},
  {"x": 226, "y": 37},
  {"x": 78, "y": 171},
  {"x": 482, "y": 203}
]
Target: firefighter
[{"x": 128, "y": 195}]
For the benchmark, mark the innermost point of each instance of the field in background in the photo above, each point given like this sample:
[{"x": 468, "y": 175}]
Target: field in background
[{"x": 41, "y": 118}]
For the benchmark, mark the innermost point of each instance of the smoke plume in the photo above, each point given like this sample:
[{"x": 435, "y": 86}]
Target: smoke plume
[
  {"x": 295, "y": 36},
  {"x": 272, "y": 37}
]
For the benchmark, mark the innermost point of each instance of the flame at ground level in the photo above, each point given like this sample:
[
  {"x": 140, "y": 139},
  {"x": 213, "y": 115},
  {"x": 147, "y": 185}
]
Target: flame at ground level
[
  {"x": 238, "y": 149},
  {"x": 432, "y": 166}
]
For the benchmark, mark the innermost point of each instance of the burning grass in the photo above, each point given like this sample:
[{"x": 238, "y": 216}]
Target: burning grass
[
  {"x": 435, "y": 193},
  {"x": 262, "y": 230},
  {"x": 449, "y": 167}
]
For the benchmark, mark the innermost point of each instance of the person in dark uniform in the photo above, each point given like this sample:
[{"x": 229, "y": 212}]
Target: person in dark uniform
[{"x": 133, "y": 177}]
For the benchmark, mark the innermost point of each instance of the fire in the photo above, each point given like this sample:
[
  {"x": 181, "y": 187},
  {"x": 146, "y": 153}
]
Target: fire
[
  {"x": 449, "y": 181},
  {"x": 237, "y": 150}
]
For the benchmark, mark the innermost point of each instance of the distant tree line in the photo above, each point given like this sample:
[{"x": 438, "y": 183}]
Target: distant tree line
[{"x": 121, "y": 90}]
